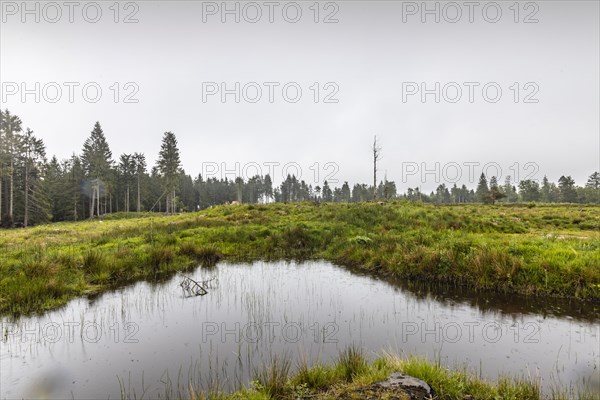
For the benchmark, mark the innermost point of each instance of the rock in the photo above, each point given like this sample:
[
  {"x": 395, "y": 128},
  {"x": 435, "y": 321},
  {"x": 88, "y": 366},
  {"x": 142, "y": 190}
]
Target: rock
[
  {"x": 397, "y": 387},
  {"x": 416, "y": 388}
]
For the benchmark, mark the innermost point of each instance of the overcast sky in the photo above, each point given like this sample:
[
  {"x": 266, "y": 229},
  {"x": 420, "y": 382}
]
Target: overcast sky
[{"x": 374, "y": 55}]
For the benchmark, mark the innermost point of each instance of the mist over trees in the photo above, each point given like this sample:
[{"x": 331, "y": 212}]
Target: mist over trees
[{"x": 35, "y": 189}]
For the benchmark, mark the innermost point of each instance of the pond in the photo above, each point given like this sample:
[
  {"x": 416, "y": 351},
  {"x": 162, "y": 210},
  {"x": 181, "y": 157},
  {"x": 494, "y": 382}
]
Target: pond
[{"x": 149, "y": 338}]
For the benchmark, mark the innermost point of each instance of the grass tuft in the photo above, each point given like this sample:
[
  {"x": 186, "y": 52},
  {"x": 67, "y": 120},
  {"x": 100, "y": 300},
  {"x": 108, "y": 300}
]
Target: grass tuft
[
  {"x": 160, "y": 256},
  {"x": 273, "y": 377},
  {"x": 352, "y": 362}
]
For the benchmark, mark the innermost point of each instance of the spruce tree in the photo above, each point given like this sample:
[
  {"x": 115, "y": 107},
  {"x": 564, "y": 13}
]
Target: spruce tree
[
  {"x": 34, "y": 159},
  {"x": 168, "y": 167},
  {"x": 495, "y": 192},
  {"x": 593, "y": 181},
  {"x": 529, "y": 190},
  {"x": 566, "y": 185},
  {"x": 126, "y": 172},
  {"x": 268, "y": 188},
  {"x": 96, "y": 160},
  {"x": 139, "y": 161},
  {"x": 10, "y": 126},
  {"x": 483, "y": 192},
  {"x": 327, "y": 193}
]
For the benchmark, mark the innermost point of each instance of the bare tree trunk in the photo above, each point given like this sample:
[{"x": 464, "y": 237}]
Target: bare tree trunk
[
  {"x": 376, "y": 156},
  {"x": 1, "y": 199},
  {"x": 26, "y": 213},
  {"x": 374, "y": 171},
  {"x": 95, "y": 204},
  {"x": 11, "y": 192},
  {"x": 138, "y": 194},
  {"x": 92, "y": 202},
  {"x": 98, "y": 202}
]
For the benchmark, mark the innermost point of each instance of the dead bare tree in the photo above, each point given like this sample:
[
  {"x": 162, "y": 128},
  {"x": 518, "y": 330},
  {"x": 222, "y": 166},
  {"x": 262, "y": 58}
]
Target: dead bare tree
[{"x": 376, "y": 157}]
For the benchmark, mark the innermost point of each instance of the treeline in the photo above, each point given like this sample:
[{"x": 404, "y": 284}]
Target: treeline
[
  {"x": 528, "y": 190},
  {"x": 35, "y": 189}
]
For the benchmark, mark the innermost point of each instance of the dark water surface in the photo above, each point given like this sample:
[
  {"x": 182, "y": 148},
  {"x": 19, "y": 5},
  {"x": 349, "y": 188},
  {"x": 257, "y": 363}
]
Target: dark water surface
[{"x": 148, "y": 338}]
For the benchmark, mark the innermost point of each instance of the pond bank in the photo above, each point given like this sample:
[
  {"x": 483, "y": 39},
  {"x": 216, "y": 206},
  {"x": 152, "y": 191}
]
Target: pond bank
[
  {"x": 391, "y": 377},
  {"x": 540, "y": 251}
]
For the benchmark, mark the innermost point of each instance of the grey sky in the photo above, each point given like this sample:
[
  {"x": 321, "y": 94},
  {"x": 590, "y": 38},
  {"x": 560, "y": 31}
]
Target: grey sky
[{"x": 368, "y": 54}]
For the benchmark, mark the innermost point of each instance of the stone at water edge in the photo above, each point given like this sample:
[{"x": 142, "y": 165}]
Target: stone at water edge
[{"x": 417, "y": 389}]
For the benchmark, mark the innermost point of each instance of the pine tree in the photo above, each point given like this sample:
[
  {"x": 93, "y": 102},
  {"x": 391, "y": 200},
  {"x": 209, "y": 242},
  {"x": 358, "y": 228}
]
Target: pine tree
[
  {"x": 239, "y": 183},
  {"x": 591, "y": 192},
  {"x": 127, "y": 170},
  {"x": 268, "y": 188},
  {"x": 168, "y": 166},
  {"x": 566, "y": 185},
  {"x": 495, "y": 192},
  {"x": 286, "y": 189},
  {"x": 483, "y": 192},
  {"x": 593, "y": 181},
  {"x": 34, "y": 158},
  {"x": 139, "y": 161},
  {"x": 327, "y": 193},
  {"x": 187, "y": 197},
  {"x": 465, "y": 195},
  {"x": 509, "y": 190},
  {"x": 529, "y": 190},
  {"x": 10, "y": 125},
  {"x": 54, "y": 189},
  {"x": 253, "y": 190},
  {"x": 442, "y": 195},
  {"x": 74, "y": 178},
  {"x": 548, "y": 191},
  {"x": 345, "y": 192},
  {"x": 96, "y": 160}
]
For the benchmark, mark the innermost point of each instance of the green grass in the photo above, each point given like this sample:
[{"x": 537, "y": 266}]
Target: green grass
[
  {"x": 546, "y": 250},
  {"x": 332, "y": 381},
  {"x": 273, "y": 377},
  {"x": 352, "y": 363}
]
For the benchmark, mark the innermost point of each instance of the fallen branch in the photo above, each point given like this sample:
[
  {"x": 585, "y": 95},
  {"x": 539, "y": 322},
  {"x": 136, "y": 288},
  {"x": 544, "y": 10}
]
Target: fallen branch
[{"x": 193, "y": 288}]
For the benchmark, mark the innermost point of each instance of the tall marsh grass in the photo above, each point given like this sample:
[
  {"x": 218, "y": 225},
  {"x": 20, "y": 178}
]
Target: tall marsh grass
[{"x": 542, "y": 251}]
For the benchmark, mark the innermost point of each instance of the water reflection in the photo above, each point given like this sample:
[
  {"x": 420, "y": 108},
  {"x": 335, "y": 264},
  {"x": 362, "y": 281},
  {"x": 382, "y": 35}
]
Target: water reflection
[
  {"x": 488, "y": 302},
  {"x": 149, "y": 338}
]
